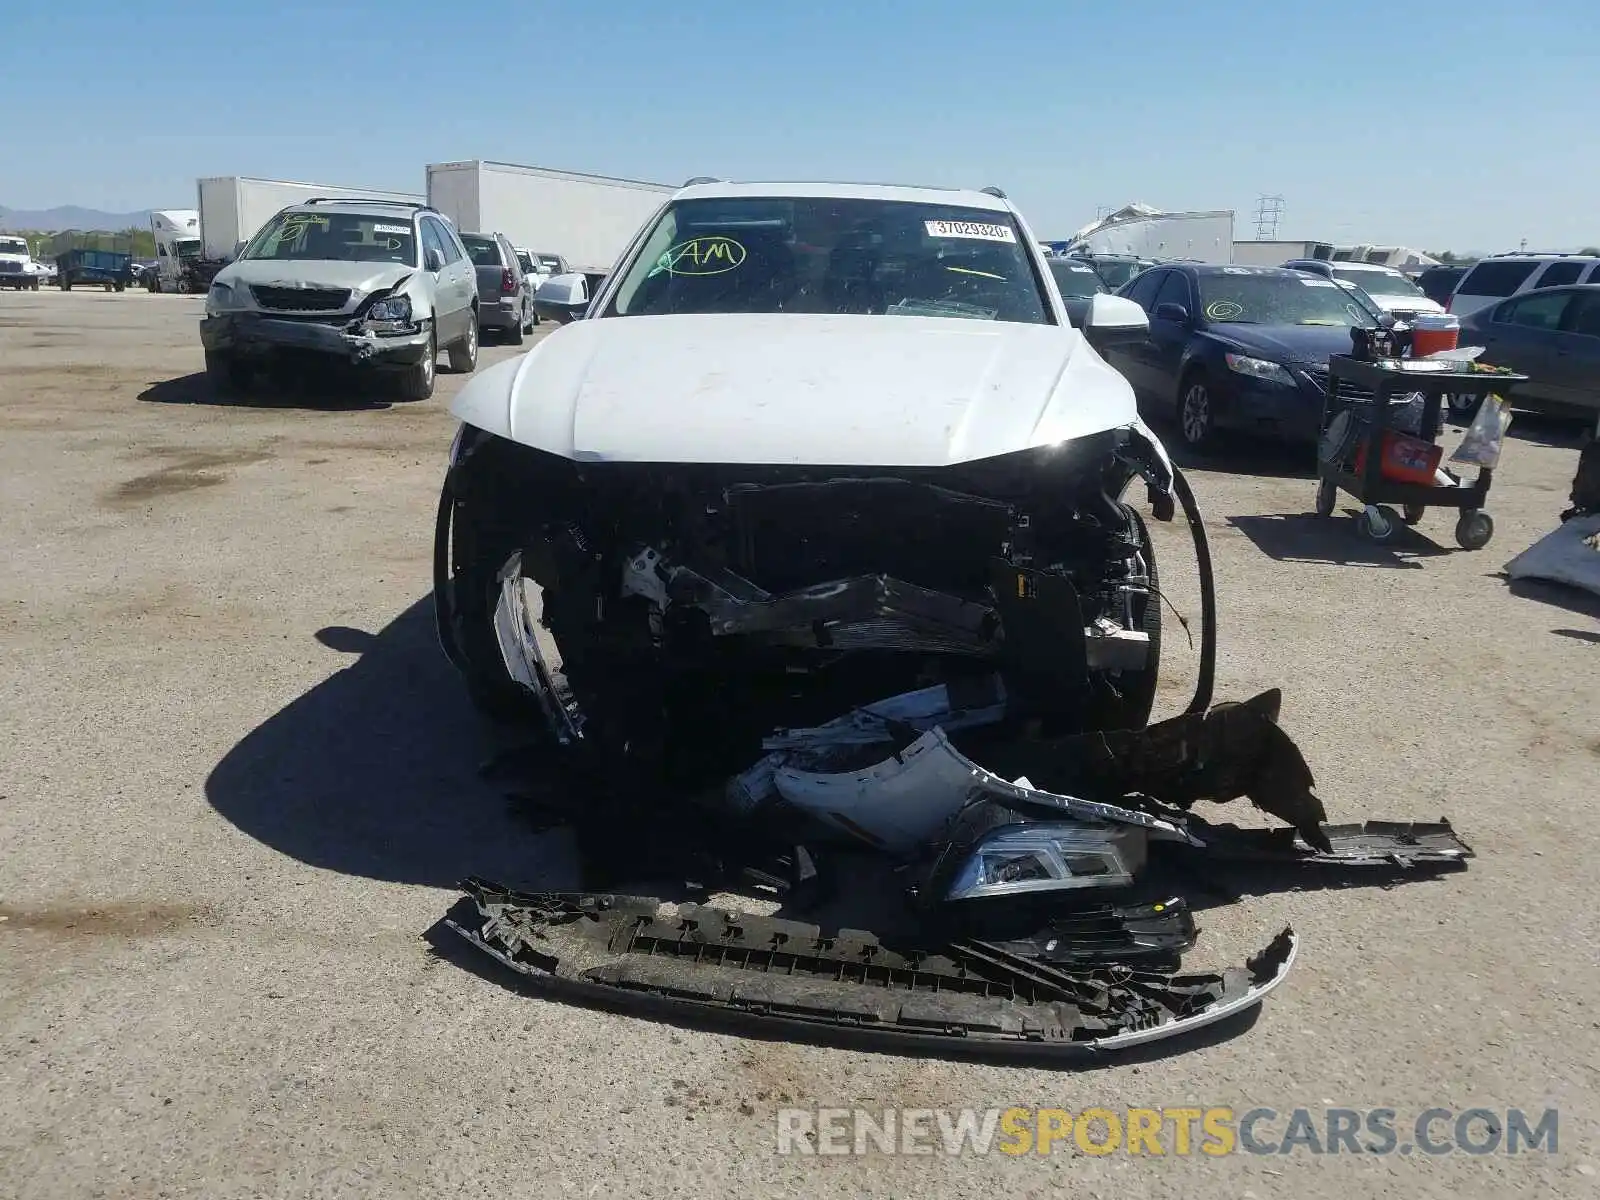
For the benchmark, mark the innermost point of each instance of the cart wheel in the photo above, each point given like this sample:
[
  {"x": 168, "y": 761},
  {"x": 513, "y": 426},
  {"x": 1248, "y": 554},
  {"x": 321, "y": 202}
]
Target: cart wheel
[
  {"x": 1463, "y": 405},
  {"x": 1474, "y": 529},
  {"x": 1327, "y": 496},
  {"x": 1412, "y": 513},
  {"x": 1377, "y": 521}
]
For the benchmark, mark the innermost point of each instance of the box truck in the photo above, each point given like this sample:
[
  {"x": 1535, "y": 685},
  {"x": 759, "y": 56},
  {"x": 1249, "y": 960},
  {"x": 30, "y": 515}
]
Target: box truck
[
  {"x": 233, "y": 208},
  {"x": 587, "y": 219}
]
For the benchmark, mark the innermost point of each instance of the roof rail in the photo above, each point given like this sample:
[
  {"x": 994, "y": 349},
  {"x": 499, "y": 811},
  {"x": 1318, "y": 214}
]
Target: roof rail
[
  {"x": 420, "y": 204},
  {"x": 995, "y": 192},
  {"x": 699, "y": 179}
]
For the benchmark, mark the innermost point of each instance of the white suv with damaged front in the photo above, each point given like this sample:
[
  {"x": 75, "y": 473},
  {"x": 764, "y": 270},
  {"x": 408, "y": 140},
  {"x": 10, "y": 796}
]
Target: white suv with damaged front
[
  {"x": 807, "y": 446},
  {"x": 378, "y": 284}
]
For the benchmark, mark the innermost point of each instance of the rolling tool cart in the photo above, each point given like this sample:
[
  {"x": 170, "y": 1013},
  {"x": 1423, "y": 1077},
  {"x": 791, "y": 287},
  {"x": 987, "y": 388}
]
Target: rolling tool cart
[{"x": 1363, "y": 453}]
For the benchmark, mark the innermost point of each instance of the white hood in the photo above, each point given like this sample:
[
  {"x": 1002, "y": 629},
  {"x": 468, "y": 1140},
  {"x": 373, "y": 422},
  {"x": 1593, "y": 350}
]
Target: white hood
[{"x": 798, "y": 389}]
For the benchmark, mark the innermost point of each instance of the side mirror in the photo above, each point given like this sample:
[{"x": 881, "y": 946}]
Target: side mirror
[
  {"x": 1176, "y": 313},
  {"x": 562, "y": 298},
  {"x": 1115, "y": 321},
  {"x": 432, "y": 261}
]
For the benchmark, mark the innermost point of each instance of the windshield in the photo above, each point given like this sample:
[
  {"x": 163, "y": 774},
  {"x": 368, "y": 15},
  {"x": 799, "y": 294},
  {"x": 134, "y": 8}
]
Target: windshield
[
  {"x": 1379, "y": 283},
  {"x": 345, "y": 237},
  {"x": 525, "y": 260},
  {"x": 549, "y": 262},
  {"x": 13, "y": 246},
  {"x": 747, "y": 254},
  {"x": 187, "y": 247},
  {"x": 484, "y": 252},
  {"x": 1075, "y": 279},
  {"x": 1288, "y": 299}
]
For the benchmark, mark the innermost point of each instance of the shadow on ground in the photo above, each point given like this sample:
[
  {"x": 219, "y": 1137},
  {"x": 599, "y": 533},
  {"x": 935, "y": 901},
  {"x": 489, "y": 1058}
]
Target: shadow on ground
[
  {"x": 338, "y": 391},
  {"x": 1558, "y": 595},
  {"x": 1338, "y": 540},
  {"x": 375, "y": 772}
]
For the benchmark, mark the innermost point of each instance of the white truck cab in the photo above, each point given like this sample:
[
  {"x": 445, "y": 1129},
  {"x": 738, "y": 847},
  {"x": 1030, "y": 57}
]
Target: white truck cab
[
  {"x": 17, "y": 268},
  {"x": 177, "y": 238}
]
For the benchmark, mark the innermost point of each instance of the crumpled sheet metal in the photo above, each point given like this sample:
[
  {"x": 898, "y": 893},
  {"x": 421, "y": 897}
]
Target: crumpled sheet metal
[
  {"x": 1566, "y": 555},
  {"x": 901, "y": 803}
]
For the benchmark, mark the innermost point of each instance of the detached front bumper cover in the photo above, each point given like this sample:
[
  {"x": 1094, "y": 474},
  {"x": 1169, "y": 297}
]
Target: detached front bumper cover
[{"x": 773, "y": 976}]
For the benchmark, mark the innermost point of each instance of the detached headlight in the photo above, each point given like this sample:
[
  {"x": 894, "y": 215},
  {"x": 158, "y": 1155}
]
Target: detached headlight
[
  {"x": 1045, "y": 857},
  {"x": 391, "y": 308},
  {"x": 1259, "y": 368}
]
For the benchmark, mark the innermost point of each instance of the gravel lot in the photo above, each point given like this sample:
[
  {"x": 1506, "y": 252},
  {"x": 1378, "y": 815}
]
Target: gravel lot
[{"x": 237, "y": 781}]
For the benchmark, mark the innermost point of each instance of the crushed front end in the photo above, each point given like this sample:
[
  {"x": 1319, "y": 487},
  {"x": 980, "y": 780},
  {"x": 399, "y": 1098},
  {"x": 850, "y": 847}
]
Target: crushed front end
[{"x": 650, "y": 610}]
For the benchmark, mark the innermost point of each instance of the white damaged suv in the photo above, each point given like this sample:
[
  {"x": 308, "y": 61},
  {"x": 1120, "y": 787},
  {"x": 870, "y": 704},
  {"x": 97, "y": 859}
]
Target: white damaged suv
[
  {"x": 808, "y": 445},
  {"x": 380, "y": 284}
]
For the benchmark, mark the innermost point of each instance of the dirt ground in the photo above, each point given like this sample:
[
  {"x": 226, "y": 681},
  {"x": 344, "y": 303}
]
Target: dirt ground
[{"x": 238, "y": 780}]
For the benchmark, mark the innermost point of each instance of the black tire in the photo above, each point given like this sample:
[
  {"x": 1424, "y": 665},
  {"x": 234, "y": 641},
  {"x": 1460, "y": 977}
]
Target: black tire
[
  {"x": 1327, "y": 497},
  {"x": 529, "y": 318},
  {"x": 480, "y": 538},
  {"x": 514, "y": 335},
  {"x": 1474, "y": 529},
  {"x": 33, "y": 286},
  {"x": 416, "y": 382},
  {"x": 1196, "y": 412},
  {"x": 66, "y": 284},
  {"x": 1138, "y": 688},
  {"x": 464, "y": 353},
  {"x": 1411, "y": 514}
]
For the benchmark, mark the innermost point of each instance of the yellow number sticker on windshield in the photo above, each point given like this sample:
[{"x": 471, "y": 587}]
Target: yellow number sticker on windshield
[{"x": 701, "y": 256}]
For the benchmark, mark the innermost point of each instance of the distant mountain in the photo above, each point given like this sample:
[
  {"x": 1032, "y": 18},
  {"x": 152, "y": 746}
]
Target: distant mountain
[{"x": 69, "y": 216}]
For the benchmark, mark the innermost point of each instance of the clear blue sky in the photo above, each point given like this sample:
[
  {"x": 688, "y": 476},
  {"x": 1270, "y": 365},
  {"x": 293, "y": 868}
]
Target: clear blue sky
[{"x": 1463, "y": 125}]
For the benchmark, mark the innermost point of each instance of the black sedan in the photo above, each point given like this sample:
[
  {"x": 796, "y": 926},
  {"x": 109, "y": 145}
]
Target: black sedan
[
  {"x": 1551, "y": 335},
  {"x": 1078, "y": 284},
  {"x": 1243, "y": 348}
]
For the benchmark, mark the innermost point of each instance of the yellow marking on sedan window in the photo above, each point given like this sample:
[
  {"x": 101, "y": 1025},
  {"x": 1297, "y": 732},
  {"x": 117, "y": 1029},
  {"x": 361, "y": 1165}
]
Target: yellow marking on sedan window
[{"x": 970, "y": 271}]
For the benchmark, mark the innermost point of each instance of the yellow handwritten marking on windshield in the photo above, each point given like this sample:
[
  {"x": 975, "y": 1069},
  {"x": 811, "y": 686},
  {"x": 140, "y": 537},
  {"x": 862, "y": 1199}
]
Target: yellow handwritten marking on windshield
[
  {"x": 702, "y": 256},
  {"x": 970, "y": 271}
]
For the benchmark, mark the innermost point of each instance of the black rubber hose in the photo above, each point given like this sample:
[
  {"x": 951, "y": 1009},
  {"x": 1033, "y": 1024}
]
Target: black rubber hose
[
  {"x": 1208, "y": 594},
  {"x": 443, "y": 588}
]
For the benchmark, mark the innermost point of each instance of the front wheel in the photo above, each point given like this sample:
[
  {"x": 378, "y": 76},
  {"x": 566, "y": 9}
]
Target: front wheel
[
  {"x": 464, "y": 354},
  {"x": 1196, "y": 413},
  {"x": 226, "y": 373},
  {"x": 417, "y": 381}
]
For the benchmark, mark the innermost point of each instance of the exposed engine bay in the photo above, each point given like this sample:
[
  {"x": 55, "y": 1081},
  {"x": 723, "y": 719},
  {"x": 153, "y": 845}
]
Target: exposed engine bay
[
  {"x": 691, "y": 600},
  {"x": 794, "y": 681}
]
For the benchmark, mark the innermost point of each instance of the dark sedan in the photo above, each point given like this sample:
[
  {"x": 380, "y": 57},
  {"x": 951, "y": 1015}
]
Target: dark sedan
[
  {"x": 1078, "y": 284},
  {"x": 1242, "y": 348},
  {"x": 1551, "y": 335}
]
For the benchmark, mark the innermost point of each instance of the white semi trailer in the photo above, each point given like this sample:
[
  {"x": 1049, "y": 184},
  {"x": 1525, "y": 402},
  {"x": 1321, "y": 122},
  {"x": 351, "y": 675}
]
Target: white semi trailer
[
  {"x": 233, "y": 207},
  {"x": 587, "y": 219}
]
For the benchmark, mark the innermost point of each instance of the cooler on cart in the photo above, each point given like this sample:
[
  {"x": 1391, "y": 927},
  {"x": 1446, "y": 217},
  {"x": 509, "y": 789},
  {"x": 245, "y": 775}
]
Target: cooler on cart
[{"x": 1364, "y": 452}]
